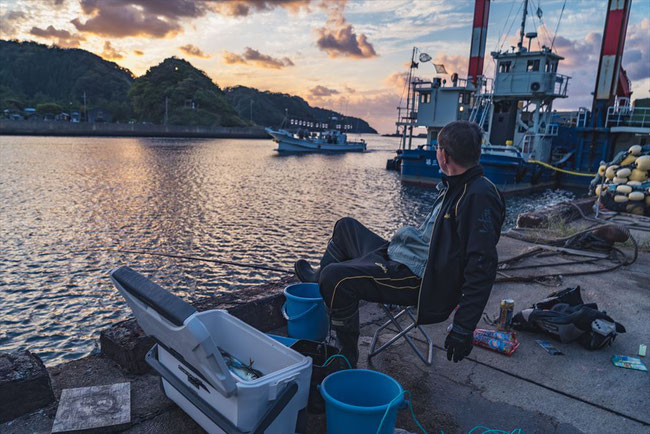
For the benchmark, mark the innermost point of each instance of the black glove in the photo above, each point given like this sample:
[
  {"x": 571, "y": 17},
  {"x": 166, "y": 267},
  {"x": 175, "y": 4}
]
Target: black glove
[{"x": 458, "y": 346}]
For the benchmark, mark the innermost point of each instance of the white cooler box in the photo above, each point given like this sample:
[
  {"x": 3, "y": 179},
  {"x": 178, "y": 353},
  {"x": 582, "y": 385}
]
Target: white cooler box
[{"x": 195, "y": 375}]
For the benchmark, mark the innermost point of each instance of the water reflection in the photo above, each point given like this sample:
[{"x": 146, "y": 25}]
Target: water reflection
[{"x": 69, "y": 203}]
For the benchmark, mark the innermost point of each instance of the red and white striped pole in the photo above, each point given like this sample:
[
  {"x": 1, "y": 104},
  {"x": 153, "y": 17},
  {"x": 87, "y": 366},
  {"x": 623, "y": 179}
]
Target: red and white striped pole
[
  {"x": 479, "y": 36},
  {"x": 611, "y": 53}
]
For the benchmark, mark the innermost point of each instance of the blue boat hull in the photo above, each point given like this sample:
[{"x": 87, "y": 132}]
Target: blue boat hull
[{"x": 509, "y": 174}]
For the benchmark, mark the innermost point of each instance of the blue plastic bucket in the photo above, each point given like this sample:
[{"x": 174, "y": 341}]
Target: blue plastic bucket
[
  {"x": 305, "y": 312},
  {"x": 356, "y": 401}
]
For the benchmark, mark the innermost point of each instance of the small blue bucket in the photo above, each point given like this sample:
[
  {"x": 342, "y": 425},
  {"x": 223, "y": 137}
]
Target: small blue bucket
[
  {"x": 305, "y": 312},
  {"x": 356, "y": 401}
]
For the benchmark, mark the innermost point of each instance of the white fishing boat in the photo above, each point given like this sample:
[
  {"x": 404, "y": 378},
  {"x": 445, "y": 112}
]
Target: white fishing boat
[{"x": 317, "y": 141}]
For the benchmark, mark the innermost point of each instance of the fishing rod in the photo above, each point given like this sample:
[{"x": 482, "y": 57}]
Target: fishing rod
[{"x": 195, "y": 258}]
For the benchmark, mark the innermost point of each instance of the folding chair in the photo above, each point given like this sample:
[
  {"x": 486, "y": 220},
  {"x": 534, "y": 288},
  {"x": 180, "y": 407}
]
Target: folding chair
[{"x": 402, "y": 333}]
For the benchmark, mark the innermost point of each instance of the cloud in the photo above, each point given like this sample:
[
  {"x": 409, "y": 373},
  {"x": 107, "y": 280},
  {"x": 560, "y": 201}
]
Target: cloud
[
  {"x": 636, "y": 59},
  {"x": 110, "y": 53},
  {"x": 122, "y": 18},
  {"x": 452, "y": 64},
  {"x": 11, "y": 21},
  {"x": 321, "y": 91},
  {"x": 343, "y": 42},
  {"x": 375, "y": 106},
  {"x": 397, "y": 81},
  {"x": 62, "y": 38},
  {"x": 193, "y": 50},
  {"x": 138, "y": 52},
  {"x": 252, "y": 56},
  {"x": 579, "y": 52},
  {"x": 339, "y": 39},
  {"x": 242, "y": 8},
  {"x": 582, "y": 57}
]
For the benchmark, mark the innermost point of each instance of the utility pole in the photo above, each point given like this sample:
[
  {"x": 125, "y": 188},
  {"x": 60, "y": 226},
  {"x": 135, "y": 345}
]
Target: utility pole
[{"x": 166, "y": 109}]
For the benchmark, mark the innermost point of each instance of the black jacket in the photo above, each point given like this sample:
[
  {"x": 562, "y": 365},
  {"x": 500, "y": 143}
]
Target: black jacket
[{"x": 462, "y": 261}]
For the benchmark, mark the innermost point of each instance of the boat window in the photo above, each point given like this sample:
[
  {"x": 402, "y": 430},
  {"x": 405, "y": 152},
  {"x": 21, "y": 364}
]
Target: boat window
[
  {"x": 533, "y": 65},
  {"x": 463, "y": 98},
  {"x": 425, "y": 98},
  {"x": 504, "y": 67}
]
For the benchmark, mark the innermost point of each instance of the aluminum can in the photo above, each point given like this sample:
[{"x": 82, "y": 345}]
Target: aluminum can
[{"x": 505, "y": 314}]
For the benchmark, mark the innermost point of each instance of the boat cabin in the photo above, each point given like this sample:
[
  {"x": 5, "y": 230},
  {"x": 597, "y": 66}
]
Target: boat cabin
[
  {"x": 528, "y": 74},
  {"x": 438, "y": 104}
]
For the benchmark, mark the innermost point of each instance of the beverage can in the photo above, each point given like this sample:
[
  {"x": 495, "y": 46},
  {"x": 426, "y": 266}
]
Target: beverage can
[{"x": 505, "y": 314}]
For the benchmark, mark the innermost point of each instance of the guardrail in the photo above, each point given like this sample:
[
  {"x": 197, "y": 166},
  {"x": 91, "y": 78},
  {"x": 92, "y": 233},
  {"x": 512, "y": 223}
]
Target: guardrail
[{"x": 625, "y": 116}]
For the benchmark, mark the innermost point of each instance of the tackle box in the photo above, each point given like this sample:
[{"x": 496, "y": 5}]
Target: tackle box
[{"x": 194, "y": 374}]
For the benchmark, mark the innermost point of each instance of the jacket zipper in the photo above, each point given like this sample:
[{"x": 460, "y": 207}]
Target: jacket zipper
[{"x": 433, "y": 231}]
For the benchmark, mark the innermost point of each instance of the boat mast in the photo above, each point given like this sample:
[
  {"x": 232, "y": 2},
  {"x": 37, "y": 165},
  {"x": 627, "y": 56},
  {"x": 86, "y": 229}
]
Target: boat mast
[
  {"x": 479, "y": 36},
  {"x": 523, "y": 26},
  {"x": 408, "y": 104}
]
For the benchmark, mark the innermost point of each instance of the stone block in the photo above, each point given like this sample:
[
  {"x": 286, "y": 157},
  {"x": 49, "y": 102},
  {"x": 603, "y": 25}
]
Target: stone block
[
  {"x": 94, "y": 409},
  {"x": 24, "y": 384},
  {"x": 126, "y": 344}
]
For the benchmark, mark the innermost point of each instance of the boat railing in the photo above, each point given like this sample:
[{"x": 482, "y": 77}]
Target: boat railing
[
  {"x": 532, "y": 83},
  {"x": 628, "y": 116}
]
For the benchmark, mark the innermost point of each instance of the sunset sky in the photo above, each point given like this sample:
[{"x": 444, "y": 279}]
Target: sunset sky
[{"x": 349, "y": 56}]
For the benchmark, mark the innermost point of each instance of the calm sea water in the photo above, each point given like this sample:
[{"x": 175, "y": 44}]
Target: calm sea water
[{"x": 67, "y": 205}]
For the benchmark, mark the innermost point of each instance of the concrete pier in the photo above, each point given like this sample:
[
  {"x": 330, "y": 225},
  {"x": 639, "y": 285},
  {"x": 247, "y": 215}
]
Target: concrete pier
[
  {"x": 91, "y": 129},
  {"x": 580, "y": 391}
]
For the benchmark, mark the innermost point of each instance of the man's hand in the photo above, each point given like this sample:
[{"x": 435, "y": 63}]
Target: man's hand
[{"x": 458, "y": 346}]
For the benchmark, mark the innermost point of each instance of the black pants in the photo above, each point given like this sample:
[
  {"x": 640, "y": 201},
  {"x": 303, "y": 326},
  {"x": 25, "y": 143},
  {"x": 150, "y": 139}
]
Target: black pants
[{"x": 356, "y": 267}]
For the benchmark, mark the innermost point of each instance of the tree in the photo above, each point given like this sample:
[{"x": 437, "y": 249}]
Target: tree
[
  {"x": 187, "y": 94},
  {"x": 48, "y": 109}
]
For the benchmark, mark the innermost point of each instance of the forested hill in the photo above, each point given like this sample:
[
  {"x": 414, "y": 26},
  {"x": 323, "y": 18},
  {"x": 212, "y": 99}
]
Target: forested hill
[
  {"x": 56, "y": 80},
  {"x": 32, "y": 74},
  {"x": 268, "y": 108},
  {"x": 177, "y": 93}
]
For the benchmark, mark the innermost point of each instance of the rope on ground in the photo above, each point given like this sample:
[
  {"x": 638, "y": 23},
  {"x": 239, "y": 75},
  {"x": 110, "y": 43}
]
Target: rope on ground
[
  {"x": 558, "y": 169},
  {"x": 638, "y": 223},
  {"x": 617, "y": 256}
]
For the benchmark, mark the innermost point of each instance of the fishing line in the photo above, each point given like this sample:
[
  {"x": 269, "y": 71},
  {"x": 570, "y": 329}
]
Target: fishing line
[{"x": 193, "y": 258}]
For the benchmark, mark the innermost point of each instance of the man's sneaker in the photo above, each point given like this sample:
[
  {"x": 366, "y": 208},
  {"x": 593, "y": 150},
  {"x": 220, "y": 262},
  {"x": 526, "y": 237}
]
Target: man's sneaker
[{"x": 306, "y": 272}]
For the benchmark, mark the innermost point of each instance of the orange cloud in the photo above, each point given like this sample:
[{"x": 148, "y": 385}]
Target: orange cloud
[
  {"x": 122, "y": 18},
  {"x": 457, "y": 64},
  {"x": 397, "y": 81},
  {"x": 110, "y": 53},
  {"x": 241, "y": 8},
  {"x": 339, "y": 39},
  {"x": 193, "y": 50},
  {"x": 62, "y": 38},
  {"x": 322, "y": 91},
  {"x": 252, "y": 56},
  {"x": 138, "y": 52}
]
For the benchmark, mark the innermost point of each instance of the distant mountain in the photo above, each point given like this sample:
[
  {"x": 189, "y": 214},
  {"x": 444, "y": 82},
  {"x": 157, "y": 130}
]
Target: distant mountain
[
  {"x": 32, "y": 74},
  {"x": 52, "y": 78},
  {"x": 186, "y": 95},
  {"x": 268, "y": 108}
]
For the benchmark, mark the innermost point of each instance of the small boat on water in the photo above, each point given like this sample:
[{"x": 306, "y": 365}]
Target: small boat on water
[{"x": 317, "y": 141}]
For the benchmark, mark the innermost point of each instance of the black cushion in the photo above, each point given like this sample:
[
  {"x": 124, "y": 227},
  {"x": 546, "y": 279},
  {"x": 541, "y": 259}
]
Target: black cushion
[{"x": 166, "y": 304}]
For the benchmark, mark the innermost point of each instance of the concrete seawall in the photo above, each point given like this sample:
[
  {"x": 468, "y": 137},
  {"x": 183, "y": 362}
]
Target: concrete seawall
[{"x": 54, "y": 128}]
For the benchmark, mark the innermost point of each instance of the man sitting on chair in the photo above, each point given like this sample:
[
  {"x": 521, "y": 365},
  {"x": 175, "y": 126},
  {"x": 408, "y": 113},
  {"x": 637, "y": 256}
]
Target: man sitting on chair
[{"x": 449, "y": 261}]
